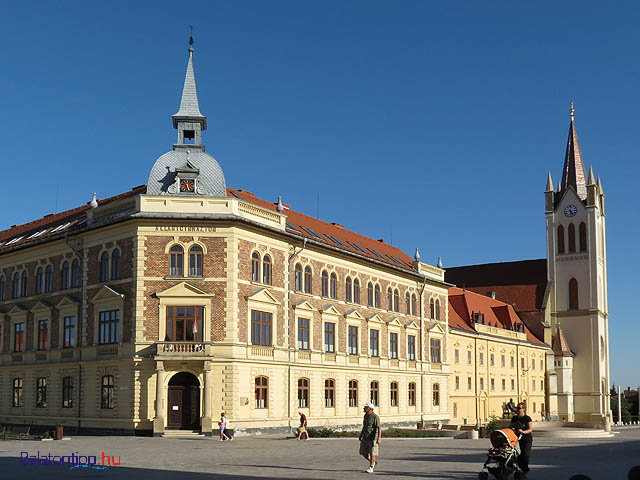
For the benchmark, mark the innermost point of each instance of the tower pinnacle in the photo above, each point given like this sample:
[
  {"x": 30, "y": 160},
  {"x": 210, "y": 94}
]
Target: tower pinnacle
[{"x": 573, "y": 170}]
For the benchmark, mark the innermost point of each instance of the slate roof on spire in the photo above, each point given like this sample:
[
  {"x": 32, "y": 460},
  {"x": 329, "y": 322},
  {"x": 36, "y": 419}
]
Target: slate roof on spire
[
  {"x": 560, "y": 346},
  {"x": 573, "y": 170},
  {"x": 189, "y": 108}
]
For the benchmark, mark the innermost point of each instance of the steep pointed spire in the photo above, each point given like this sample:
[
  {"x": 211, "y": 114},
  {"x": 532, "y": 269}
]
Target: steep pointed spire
[
  {"x": 573, "y": 170},
  {"x": 560, "y": 346},
  {"x": 591, "y": 180},
  {"x": 600, "y": 189},
  {"x": 549, "y": 184},
  {"x": 189, "y": 109}
]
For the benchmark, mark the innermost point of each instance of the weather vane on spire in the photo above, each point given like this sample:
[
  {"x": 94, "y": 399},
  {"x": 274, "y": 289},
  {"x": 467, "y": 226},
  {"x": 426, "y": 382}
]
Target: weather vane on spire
[
  {"x": 191, "y": 38},
  {"x": 572, "y": 111}
]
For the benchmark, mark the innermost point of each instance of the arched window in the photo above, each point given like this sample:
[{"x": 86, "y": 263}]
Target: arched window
[
  {"x": 41, "y": 392},
  {"x": 573, "y": 294},
  {"x": 412, "y": 394},
  {"x": 437, "y": 309},
  {"x": 25, "y": 284},
  {"x": 64, "y": 276},
  {"x": 16, "y": 285},
  {"x": 303, "y": 393},
  {"x": 572, "y": 238},
  {"x": 377, "y": 296},
  {"x": 432, "y": 309},
  {"x": 347, "y": 290},
  {"x": 325, "y": 283},
  {"x": 3, "y": 283},
  {"x": 329, "y": 393},
  {"x": 266, "y": 269},
  {"x": 104, "y": 267},
  {"x": 436, "y": 394},
  {"x": 414, "y": 305},
  {"x": 307, "y": 279},
  {"x": 333, "y": 286},
  {"x": 106, "y": 397},
  {"x": 561, "y": 239},
  {"x": 356, "y": 291},
  {"x": 39, "y": 280},
  {"x": 353, "y": 393},
  {"x": 373, "y": 393},
  {"x": 396, "y": 300},
  {"x": 297, "y": 278},
  {"x": 262, "y": 392},
  {"x": 75, "y": 273},
  {"x": 583, "y": 237},
  {"x": 195, "y": 261},
  {"x": 176, "y": 261},
  {"x": 407, "y": 300},
  {"x": 255, "y": 267},
  {"x": 67, "y": 392},
  {"x": 389, "y": 299},
  {"x": 394, "y": 394},
  {"x": 48, "y": 280},
  {"x": 17, "y": 392},
  {"x": 115, "y": 265},
  {"x": 370, "y": 294}
]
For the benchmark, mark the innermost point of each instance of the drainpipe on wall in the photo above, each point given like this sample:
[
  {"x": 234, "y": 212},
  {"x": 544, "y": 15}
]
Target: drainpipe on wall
[{"x": 290, "y": 351}]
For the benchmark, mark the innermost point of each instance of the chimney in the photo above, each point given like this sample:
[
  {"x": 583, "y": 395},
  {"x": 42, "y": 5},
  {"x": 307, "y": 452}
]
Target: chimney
[
  {"x": 381, "y": 240},
  {"x": 337, "y": 225}
]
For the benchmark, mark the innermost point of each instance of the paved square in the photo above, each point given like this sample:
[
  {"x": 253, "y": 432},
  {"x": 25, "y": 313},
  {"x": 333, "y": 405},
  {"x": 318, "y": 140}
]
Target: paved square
[{"x": 275, "y": 457}]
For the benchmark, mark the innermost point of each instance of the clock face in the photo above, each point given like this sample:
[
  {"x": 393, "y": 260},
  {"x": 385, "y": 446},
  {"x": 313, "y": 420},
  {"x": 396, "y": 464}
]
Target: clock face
[
  {"x": 570, "y": 211},
  {"x": 186, "y": 186}
]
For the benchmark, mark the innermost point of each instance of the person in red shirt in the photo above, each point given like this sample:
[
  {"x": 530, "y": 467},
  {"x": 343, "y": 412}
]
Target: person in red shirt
[{"x": 302, "y": 430}]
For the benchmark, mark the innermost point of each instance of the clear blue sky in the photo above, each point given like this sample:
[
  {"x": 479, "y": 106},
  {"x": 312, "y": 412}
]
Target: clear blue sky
[{"x": 431, "y": 124}]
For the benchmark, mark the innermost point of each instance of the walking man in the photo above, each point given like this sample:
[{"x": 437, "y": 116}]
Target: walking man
[
  {"x": 302, "y": 430},
  {"x": 370, "y": 436}
]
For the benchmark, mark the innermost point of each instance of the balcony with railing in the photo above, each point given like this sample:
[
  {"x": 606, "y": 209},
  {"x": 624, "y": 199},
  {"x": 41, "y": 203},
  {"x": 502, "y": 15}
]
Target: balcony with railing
[{"x": 183, "y": 350}]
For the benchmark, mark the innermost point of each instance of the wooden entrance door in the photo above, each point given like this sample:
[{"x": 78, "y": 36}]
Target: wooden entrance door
[{"x": 176, "y": 407}]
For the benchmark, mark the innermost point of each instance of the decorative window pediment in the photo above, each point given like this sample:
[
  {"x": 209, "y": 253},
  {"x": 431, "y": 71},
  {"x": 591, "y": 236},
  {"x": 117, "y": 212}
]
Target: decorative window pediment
[
  {"x": 375, "y": 319},
  {"x": 67, "y": 302},
  {"x": 395, "y": 322},
  {"x": 17, "y": 310},
  {"x": 412, "y": 326},
  {"x": 107, "y": 293},
  {"x": 42, "y": 306},
  {"x": 354, "y": 315},
  {"x": 437, "y": 328},
  {"x": 305, "y": 305},
  {"x": 330, "y": 310},
  {"x": 262, "y": 295},
  {"x": 183, "y": 289}
]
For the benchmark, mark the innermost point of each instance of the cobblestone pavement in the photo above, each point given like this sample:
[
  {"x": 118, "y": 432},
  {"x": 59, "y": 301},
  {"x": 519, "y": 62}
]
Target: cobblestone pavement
[{"x": 275, "y": 457}]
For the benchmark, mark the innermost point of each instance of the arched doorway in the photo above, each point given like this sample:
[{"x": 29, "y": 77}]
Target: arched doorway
[{"x": 184, "y": 402}]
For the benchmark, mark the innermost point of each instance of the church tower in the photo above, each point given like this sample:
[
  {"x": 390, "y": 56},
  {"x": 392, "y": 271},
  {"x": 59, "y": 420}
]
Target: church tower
[{"x": 577, "y": 273}]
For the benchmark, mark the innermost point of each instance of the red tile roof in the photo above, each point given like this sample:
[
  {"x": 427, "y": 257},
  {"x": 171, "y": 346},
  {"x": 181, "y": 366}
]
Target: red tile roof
[
  {"x": 54, "y": 225},
  {"x": 464, "y": 303},
  {"x": 560, "y": 346},
  {"x": 521, "y": 284},
  {"x": 330, "y": 234}
]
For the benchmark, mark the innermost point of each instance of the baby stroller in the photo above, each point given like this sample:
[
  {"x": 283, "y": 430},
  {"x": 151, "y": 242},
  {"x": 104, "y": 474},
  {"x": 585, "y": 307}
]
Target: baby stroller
[{"x": 502, "y": 459}]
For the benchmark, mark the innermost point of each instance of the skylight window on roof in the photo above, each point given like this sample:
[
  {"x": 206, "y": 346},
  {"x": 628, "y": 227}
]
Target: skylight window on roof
[
  {"x": 311, "y": 232},
  {"x": 37, "y": 234},
  {"x": 379, "y": 255},
  {"x": 335, "y": 240},
  {"x": 292, "y": 227},
  {"x": 81, "y": 222},
  {"x": 357, "y": 247},
  {"x": 236, "y": 195},
  {"x": 61, "y": 227},
  {"x": 395, "y": 260},
  {"x": 17, "y": 239}
]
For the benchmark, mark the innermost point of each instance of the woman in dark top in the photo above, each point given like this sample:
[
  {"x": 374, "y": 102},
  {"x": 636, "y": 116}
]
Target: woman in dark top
[{"x": 522, "y": 424}]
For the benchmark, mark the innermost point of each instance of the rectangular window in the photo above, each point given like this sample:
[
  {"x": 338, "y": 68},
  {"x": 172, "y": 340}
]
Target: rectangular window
[
  {"x": 542, "y": 385},
  {"x": 457, "y": 355},
  {"x": 353, "y": 393},
  {"x": 17, "y": 392},
  {"x": 504, "y": 384},
  {"x": 513, "y": 362},
  {"x": 468, "y": 383},
  {"x": 491, "y": 359},
  {"x": 435, "y": 351},
  {"x": 67, "y": 392},
  {"x": 329, "y": 393},
  {"x": 303, "y": 334},
  {"x": 373, "y": 343},
  {"x": 43, "y": 334},
  {"x": 353, "y": 340},
  {"x": 18, "y": 337},
  {"x": 533, "y": 364},
  {"x": 260, "y": 328},
  {"x": 411, "y": 347},
  {"x": 261, "y": 392},
  {"x": 329, "y": 337},
  {"x": 469, "y": 357},
  {"x": 303, "y": 393},
  {"x": 108, "y": 326},
  {"x": 481, "y": 383},
  {"x": 412, "y": 394},
  {"x": 69, "y": 332},
  {"x": 513, "y": 384},
  {"x": 394, "y": 394},
  {"x": 41, "y": 393},
  {"x": 522, "y": 363},
  {"x": 184, "y": 324},
  {"x": 493, "y": 384},
  {"x": 106, "y": 399},
  {"x": 541, "y": 365},
  {"x": 502, "y": 361},
  {"x": 457, "y": 382},
  {"x": 481, "y": 358},
  {"x": 393, "y": 345}
]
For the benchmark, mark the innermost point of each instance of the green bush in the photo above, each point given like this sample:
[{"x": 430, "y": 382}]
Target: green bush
[
  {"x": 46, "y": 435},
  {"x": 492, "y": 424}
]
